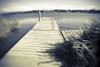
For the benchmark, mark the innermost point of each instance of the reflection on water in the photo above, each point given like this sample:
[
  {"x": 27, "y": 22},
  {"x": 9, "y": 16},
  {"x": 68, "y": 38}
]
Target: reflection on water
[{"x": 27, "y": 21}]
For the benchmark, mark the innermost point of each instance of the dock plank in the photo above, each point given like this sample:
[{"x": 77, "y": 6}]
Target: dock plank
[{"x": 70, "y": 34}]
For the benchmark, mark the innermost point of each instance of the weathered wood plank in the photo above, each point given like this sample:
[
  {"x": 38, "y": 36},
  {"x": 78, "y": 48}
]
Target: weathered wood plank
[
  {"x": 70, "y": 34},
  {"x": 46, "y": 25}
]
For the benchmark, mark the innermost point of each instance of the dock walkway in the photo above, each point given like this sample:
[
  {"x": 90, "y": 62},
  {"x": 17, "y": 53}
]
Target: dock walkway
[{"x": 28, "y": 52}]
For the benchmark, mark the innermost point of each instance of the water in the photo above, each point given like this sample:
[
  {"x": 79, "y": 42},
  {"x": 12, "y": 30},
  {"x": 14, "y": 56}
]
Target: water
[
  {"x": 72, "y": 20},
  {"x": 26, "y": 24},
  {"x": 65, "y": 21}
]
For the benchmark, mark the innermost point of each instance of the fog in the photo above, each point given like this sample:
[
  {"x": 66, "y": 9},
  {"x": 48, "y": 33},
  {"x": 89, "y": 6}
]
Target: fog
[{"x": 7, "y": 26}]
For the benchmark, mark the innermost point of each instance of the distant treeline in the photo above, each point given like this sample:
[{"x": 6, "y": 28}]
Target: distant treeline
[
  {"x": 80, "y": 11},
  {"x": 57, "y": 11}
]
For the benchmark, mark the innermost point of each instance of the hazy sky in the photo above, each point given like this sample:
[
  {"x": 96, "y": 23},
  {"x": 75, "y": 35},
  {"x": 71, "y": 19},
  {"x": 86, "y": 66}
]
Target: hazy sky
[{"x": 25, "y": 5}]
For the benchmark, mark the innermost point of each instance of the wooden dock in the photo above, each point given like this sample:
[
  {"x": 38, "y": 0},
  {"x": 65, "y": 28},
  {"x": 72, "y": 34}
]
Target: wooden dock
[{"x": 29, "y": 51}]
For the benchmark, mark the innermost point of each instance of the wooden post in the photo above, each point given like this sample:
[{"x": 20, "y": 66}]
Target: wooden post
[{"x": 39, "y": 15}]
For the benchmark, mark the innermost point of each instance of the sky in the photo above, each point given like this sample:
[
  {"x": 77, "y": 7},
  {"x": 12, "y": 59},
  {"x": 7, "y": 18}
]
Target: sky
[{"x": 28, "y": 5}]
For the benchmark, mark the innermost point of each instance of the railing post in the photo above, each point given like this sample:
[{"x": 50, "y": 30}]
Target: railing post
[{"x": 39, "y": 15}]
